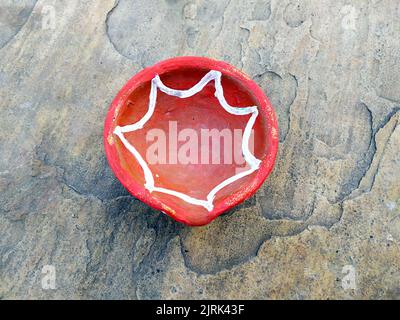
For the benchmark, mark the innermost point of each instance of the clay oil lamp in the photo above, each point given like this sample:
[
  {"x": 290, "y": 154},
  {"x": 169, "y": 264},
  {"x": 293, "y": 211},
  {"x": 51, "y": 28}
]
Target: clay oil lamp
[{"x": 192, "y": 137}]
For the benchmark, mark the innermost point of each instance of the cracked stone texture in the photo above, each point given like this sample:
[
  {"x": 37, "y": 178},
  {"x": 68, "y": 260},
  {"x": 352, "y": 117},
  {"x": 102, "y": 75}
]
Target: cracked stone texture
[{"x": 333, "y": 200}]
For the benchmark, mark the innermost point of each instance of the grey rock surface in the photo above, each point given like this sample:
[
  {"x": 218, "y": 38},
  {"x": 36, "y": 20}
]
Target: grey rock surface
[{"x": 329, "y": 210}]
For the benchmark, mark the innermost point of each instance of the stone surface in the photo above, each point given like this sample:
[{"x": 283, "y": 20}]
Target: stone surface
[{"x": 330, "y": 209}]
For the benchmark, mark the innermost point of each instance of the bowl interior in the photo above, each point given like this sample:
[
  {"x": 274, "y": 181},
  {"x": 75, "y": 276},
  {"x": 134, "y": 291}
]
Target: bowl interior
[{"x": 191, "y": 144}]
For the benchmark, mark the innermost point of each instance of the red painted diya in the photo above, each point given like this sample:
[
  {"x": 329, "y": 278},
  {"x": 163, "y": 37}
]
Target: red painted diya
[{"x": 192, "y": 137}]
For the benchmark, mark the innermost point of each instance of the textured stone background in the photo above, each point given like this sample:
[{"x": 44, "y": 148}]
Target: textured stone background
[{"x": 331, "y": 69}]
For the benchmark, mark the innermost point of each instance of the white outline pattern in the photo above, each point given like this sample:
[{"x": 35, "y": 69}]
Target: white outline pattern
[{"x": 156, "y": 83}]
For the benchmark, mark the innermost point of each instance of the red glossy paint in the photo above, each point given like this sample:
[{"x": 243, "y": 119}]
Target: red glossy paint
[{"x": 199, "y": 111}]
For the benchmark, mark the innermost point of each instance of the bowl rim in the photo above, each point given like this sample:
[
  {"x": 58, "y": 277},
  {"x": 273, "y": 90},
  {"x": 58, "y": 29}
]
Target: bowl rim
[{"x": 145, "y": 75}]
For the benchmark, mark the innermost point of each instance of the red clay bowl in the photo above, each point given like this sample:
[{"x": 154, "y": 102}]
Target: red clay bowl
[{"x": 185, "y": 152}]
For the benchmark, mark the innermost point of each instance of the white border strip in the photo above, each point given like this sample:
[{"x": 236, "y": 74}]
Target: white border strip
[{"x": 251, "y": 160}]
